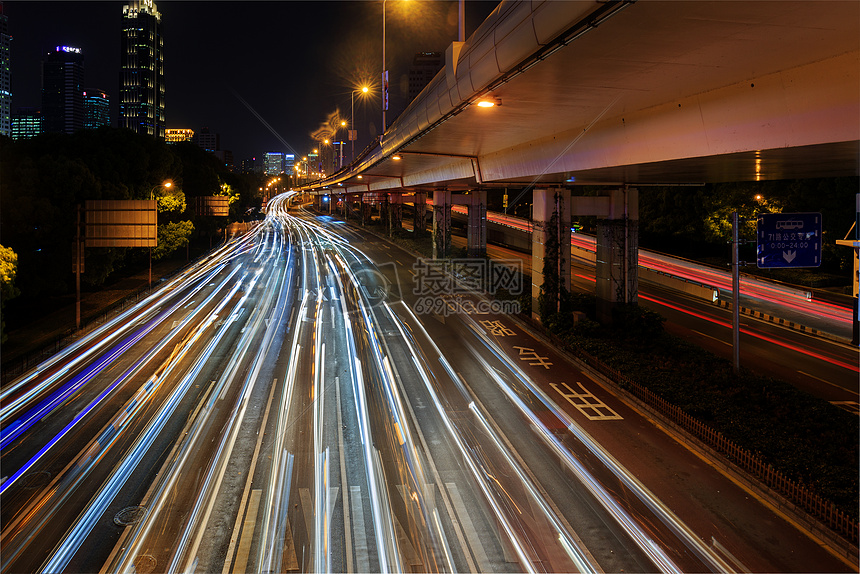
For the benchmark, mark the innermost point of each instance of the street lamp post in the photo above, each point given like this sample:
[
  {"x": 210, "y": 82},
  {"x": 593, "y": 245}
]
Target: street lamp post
[
  {"x": 384, "y": 76},
  {"x": 166, "y": 185},
  {"x": 353, "y": 133},
  {"x": 340, "y": 163}
]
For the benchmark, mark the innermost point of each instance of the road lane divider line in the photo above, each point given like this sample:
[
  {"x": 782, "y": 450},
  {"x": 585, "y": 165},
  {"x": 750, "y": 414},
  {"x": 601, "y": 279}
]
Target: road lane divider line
[
  {"x": 361, "y": 553},
  {"x": 347, "y": 527},
  {"x": 233, "y": 538},
  {"x": 289, "y": 559},
  {"x": 469, "y": 528},
  {"x": 853, "y": 392},
  {"x": 712, "y": 338},
  {"x": 729, "y": 556},
  {"x": 248, "y": 527},
  {"x": 307, "y": 510}
]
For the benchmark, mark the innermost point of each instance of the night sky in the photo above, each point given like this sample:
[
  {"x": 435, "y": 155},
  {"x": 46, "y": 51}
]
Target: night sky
[{"x": 294, "y": 63}]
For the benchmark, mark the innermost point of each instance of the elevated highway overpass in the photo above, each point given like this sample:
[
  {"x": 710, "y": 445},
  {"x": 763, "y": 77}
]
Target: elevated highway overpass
[
  {"x": 621, "y": 94},
  {"x": 631, "y": 93}
]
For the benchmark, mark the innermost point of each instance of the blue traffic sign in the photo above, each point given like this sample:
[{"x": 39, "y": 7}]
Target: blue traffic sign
[{"x": 788, "y": 240}]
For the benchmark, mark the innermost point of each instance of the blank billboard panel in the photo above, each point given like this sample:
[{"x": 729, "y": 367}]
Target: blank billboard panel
[
  {"x": 121, "y": 223},
  {"x": 215, "y": 206}
]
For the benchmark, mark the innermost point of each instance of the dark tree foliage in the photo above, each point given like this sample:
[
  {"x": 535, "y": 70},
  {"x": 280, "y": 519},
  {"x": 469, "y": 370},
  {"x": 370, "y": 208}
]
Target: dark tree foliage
[
  {"x": 44, "y": 179},
  {"x": 696, "y": 221}
]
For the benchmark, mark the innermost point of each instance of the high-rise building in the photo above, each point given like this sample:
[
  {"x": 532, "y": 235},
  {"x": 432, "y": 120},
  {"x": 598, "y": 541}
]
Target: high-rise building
[
  {"x": 209, "y": 141},
  {"x": 26, "y": 123},
  {"x": 274, "y": 162},
  {"x": 62, "y": 90},
  {"x": 96, "y": 109},
  {"x": 225, "y": 156},
  {"x": 289, "y": 163},
  {"x": 5, "y": 75},
  {"x": 176, "y": 135},
  {"x": 141, "y": 82},
  {"x": 250, "y": 165},
  {"x": 425, "y": 66}
]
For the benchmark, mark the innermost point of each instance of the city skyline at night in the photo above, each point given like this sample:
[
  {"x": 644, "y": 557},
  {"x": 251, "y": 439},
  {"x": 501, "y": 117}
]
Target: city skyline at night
[{"x": 218, "y": 62}]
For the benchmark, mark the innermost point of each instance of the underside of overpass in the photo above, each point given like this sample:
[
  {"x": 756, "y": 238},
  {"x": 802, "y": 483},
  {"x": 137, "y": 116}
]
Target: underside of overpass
[{"x": 624, "y": 94}]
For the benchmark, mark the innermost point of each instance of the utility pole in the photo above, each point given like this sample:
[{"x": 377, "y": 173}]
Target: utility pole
[
  {"x": 736, "y": 287},
  {"x": 79, "y": 264},
  {"x": 855, "y": 283}
]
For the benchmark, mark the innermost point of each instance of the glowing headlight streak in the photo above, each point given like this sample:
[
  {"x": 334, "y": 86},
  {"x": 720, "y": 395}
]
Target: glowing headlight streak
[
  {"x": 642, "y": 540},
  {"x": 322, "y": 562},
  {"x": 476, "y": 468},
  {"x": 61, "y": 556},
  {"x": 582, "y": 562},
  {"x": 117, "y": 382},
  {"x": 274, "y": 515},
  {"x": 416, "y": 476},
  {"x": 171, "y": 474},
  {"x": 198, "y": 518},
  {"x": 101, "y": 337},
  {"x": 477, "y": 474},
  {"x": 201, "y": 276},
  {"x": 645, "y": 543},
  {"x": 389, "y": 559}
]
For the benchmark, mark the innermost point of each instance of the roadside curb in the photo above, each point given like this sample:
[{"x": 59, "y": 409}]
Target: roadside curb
[{"x": 764, "y": 317}]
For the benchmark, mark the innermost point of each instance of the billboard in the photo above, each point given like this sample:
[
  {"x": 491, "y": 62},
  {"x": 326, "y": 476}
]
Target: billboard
[
  {"x": 208, "y": 205},
  {"x": 121, "y": 223}
]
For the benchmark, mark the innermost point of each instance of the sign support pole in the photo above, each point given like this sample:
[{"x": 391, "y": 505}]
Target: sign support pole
[
  {"x": 855, "y": 281},
  {"x": 78, "y": 263},
  {"x": 736, "y": 283}
]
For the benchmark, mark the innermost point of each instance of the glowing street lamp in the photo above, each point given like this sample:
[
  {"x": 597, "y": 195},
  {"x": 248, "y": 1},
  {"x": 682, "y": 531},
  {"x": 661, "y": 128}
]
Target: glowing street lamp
[
  {"x": 353, "y": 135},
  {"x": 166, "y": 184},
  {"x": 340, "y": 163}
]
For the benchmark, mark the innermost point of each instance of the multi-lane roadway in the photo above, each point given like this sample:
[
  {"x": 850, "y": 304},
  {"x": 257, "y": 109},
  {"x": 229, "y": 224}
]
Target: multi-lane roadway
[{"x": 299, "y": 401}]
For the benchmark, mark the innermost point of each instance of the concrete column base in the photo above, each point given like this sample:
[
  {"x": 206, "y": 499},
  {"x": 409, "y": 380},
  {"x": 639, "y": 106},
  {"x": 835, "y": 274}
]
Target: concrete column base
[
  {"x": 550, "y": 248},
  {"x": 366, "y": 212},
  {"x": 419, "y": 218},
  {"x": 395, "y": 213},
  {"x": 476, "y": 230},
  {"x": 617, "y": 265},
  {"x": 441, "y": 224}
]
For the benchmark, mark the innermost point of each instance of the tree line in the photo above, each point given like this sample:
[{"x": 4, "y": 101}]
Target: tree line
[{"x": 44, "y": 179}]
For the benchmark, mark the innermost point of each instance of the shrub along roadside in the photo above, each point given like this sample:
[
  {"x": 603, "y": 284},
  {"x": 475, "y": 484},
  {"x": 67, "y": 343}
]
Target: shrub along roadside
[{"x": 806, "y": 438}]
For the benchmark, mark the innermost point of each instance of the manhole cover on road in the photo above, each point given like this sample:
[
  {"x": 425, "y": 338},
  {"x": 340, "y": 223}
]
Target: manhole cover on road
[
  {"x": 35, "y": 479},
  {"x": 129, "y": 515},
  {"x": 144, "y": 564}
]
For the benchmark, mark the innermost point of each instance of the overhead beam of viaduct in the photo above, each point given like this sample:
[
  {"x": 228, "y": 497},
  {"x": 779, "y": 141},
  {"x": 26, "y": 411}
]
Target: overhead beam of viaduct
[{"x": 621, "y": 94}]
